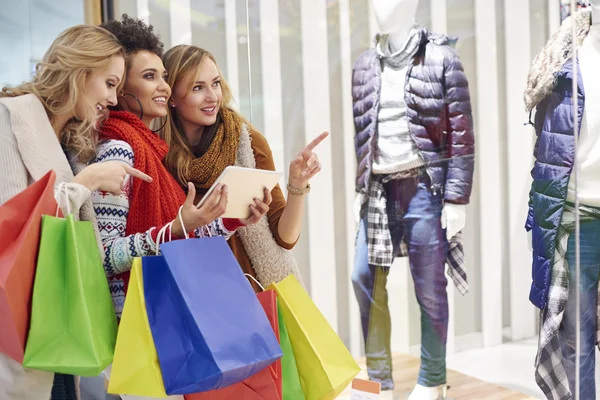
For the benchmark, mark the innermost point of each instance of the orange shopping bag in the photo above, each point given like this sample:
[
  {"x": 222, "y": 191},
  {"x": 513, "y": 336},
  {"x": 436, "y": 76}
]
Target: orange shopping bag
[{"x": 20, "y": 222}]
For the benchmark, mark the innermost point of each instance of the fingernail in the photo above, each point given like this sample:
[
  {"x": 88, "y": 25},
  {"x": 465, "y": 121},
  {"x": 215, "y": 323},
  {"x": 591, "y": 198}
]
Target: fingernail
[
  {"x": 309, "y": 163},
  {"x": 304, "y": 173}
]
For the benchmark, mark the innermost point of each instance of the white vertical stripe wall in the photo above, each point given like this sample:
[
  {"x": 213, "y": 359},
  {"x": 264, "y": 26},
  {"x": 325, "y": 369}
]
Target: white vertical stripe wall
[
  {"x": 143, "y": 10},
  {"x": 519, "y": 148},
  {"x": 315, "y": 58},
  {"x": 503, "y": 152},
  {"x": 231, "y": 40},
  {"x": 181, "y": 22},
  {"x": 271, "y": 90},
  {"x": 355, "y": 332},
  {"x": 490, "y": 166}
]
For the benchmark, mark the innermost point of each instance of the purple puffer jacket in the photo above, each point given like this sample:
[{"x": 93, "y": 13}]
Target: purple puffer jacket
[{"x": 439, "y": 115}]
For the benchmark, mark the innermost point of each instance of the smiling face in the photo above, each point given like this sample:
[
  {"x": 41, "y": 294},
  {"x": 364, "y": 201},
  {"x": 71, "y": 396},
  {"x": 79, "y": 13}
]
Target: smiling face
[
  {"x": 146, "y": 80},
  {"x": 198, "y": 96},
  {"x": 100, "y": 89}
]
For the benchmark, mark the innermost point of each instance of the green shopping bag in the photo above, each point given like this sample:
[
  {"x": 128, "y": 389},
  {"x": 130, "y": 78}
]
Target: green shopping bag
[
  {"x": 73, "y": 325},
  {"x": 292, "y": 389}
]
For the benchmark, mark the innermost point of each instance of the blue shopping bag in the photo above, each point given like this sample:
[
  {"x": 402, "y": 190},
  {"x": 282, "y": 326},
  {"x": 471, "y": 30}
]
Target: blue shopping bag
[{"x": 209, "y": 329}]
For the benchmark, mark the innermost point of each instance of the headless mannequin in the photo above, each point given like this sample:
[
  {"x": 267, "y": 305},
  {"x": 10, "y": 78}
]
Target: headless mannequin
[{"x": 396, "y": 18}]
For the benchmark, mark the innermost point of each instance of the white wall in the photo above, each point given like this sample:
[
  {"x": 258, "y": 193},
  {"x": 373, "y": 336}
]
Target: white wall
[{"x": 27, "y": 29}]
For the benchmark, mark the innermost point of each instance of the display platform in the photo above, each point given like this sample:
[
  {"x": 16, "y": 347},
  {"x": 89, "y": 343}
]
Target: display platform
[{"x": 462, "y": 387}]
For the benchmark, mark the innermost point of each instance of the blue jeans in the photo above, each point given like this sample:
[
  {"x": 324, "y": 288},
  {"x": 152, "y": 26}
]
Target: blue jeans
[
  {"x": 590, "y": 270},
  {"x": 414, "y": 215}
]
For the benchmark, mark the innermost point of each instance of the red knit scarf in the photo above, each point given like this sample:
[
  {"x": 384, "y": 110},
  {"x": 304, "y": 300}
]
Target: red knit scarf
[{"x": 150, "y": 204}]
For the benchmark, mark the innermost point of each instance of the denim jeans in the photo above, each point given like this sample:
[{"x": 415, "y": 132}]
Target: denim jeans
[
  {"x": 414, "y": 215},
  {"x": 590, "y": 270}
]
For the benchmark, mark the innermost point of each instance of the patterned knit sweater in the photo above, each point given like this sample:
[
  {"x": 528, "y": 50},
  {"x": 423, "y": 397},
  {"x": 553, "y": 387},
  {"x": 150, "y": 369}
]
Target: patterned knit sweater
[{"x": 111, "y": 213}]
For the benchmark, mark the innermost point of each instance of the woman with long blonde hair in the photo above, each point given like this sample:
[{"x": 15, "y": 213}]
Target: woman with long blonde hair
[
  {"x": 205, "y": 135},
  {"x": 49, "y": 123}
]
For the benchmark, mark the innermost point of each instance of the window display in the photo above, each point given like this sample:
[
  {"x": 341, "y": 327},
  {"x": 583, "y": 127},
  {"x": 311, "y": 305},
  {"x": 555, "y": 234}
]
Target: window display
[{"x": 415, "y": 154}]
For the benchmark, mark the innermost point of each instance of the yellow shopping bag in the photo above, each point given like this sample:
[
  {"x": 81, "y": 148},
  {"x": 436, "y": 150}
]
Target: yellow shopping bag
[
  {"x": 325, "y": 365},
  {"x": 135, "y": 368}
]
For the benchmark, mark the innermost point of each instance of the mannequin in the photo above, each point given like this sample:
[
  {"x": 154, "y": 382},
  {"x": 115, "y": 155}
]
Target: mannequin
[
  {"x": 551, "y": 218},
  {"x": 411, "y": 196}
]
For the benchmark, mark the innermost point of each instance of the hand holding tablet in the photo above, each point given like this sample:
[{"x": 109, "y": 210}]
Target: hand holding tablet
[{"x": 244, "y": 185}]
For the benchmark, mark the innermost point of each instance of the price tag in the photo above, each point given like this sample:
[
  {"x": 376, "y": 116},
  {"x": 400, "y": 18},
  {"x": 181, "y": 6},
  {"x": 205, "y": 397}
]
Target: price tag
[{"x": 365, "y": 390}]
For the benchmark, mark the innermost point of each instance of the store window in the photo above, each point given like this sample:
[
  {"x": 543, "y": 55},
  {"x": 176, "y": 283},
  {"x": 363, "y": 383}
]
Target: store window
[
  {"x": 27, "y": 29},
  {"x": 293, "y": 69},
  {"x": 414, "y": 244}
]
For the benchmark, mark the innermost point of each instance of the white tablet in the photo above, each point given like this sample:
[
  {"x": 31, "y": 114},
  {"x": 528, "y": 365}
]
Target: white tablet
[{"x": 243, "y": 186}]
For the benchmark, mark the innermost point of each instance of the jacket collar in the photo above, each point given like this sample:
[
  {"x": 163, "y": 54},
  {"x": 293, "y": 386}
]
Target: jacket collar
[
  {"x": 554, "y": 60},
  {"x": 424, "y": 35},
  {"x": 38, "y": 145}
]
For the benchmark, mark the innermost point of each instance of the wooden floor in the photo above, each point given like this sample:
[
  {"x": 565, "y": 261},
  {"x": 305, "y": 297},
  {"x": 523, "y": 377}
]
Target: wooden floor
[{"x": 462, "y": 387}]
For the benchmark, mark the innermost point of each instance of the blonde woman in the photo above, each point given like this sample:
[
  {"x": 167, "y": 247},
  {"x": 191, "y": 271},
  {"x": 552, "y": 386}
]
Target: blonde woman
[
  {"x": 47, "y": 124},
  {"x": 205, "y": 135}
]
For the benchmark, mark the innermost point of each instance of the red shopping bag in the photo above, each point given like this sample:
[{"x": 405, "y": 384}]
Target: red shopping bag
[
  {"x": 20, "y": 223},
  {"x": 264, "y": 385}
]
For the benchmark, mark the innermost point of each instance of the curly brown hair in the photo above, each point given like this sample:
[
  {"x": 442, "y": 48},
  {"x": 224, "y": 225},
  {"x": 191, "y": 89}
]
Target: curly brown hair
[{"x": 135, "y": 36}]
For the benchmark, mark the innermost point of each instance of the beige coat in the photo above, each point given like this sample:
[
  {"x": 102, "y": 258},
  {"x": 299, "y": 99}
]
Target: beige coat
[{"x": 28, "y": 150}]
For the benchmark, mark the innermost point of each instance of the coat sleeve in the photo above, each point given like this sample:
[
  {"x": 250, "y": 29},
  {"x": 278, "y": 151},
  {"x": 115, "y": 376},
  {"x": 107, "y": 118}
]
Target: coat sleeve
[
  {"x": 264, "y": 160},
  {"x": 460, "y": 140},
  {"x": 14, "y": 177}
]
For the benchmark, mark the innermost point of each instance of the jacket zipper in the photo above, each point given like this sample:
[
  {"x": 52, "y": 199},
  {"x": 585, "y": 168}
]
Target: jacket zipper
[{"x": 408, "y": 72}]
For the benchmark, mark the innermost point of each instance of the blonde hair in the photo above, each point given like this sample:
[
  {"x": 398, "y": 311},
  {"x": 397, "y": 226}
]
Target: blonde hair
[
  {"x": 60, "y": 79},
  {"x": 180, "y": 61}
]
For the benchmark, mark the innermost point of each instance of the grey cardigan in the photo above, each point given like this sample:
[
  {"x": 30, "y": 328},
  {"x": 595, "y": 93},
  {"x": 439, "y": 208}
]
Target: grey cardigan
[{"x": 29, "y": 149}]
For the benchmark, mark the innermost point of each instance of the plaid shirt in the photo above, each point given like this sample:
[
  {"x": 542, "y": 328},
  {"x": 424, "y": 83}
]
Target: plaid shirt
[
  {"x": 550, "y": 373},
  {"x": 379, "y": 238}
]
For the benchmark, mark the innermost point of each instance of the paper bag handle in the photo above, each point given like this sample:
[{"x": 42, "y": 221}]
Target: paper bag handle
[
  {"x": 160, "y": 238},
  {"x": 182, "y": 224},
  {"x": 185, "y": 232},
  {"x": 63, "y": 186},
  {"x": 257, "y": 282}
]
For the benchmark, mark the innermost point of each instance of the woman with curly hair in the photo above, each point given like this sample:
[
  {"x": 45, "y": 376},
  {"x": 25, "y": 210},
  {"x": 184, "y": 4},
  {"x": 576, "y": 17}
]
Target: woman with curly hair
[
  {"x": 49, "y": 123},
  {"x": 129, "y": 223}
]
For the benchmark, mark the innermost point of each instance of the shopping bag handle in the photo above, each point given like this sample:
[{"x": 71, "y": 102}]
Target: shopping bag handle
[
  {"x": 160, "y": 238},
  {"x": 257, "y": 282},
  {"x": 182, "y": 224},
  {"x": 185, "y": 232},
  {"x": 63, "y": 186}
]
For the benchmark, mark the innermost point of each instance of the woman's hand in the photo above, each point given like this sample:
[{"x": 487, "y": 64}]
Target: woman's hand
[
  {"x": 306, "y": 165},
  {"x": 212, "y": 208},
  {"x": 108, "y": 176},
  {"x": 258, "y": 209}
]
